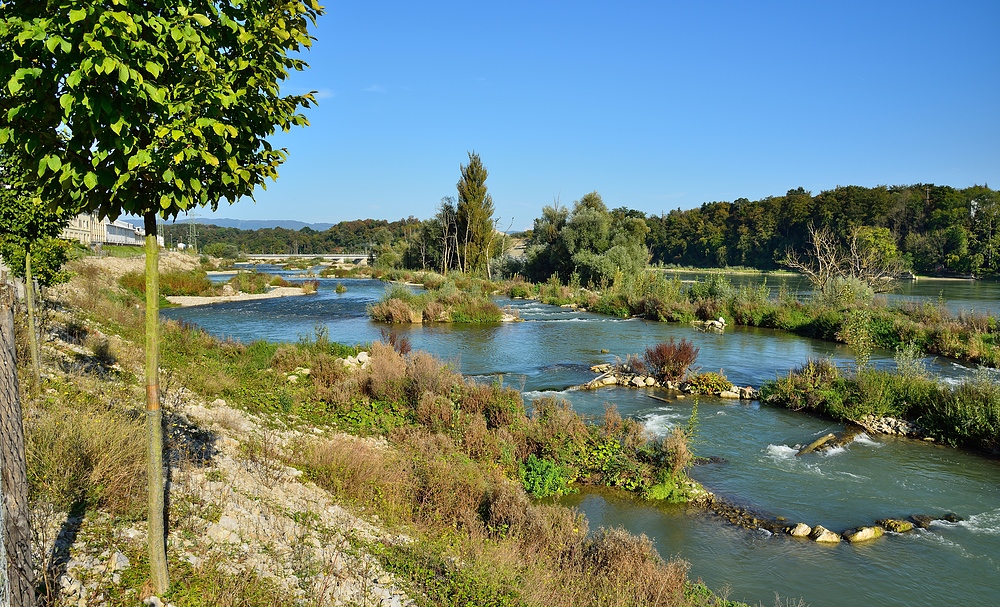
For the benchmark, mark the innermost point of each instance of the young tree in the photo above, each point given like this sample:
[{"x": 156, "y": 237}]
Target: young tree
[
  {"x": 28, "y": 243},
  {"x": 474, "y": 216},
  {"x": 154, "y": 108}
]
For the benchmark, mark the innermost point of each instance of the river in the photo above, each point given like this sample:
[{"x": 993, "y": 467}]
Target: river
[{"x": 872, "y": 478}]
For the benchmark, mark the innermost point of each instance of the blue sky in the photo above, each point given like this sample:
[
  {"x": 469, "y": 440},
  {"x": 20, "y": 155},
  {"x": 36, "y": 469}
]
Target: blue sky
[{"x": 656, "y": 105}]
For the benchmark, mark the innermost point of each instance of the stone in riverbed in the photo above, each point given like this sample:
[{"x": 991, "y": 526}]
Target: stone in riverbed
[
  {"x": 650, "y": 381},
  {"x": 863, "y": 534},
  {"x": 895, "y": 525},
  {"x": 922, "y": 520},
  {"x": 823, "y": 535},
  {"x": 729, "y": 394},
  {"x": 800, "y": 530},
  {"x": 638, "y": 381}
]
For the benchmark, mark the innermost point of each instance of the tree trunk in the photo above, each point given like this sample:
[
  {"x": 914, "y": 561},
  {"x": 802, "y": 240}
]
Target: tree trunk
[
  {"x": 154, "y": 417},
  {"x": 29, "y": 298},
  {"x": 20, "y": 574}
]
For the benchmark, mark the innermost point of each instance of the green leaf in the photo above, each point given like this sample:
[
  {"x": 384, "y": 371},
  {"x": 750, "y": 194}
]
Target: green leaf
[
  {"x": 66, "y": 101},
  {"x": 14, "y": 85},
  {"x": 73, "y": 79},
  {"x": 4, "y": 136},
  {"x": 165, "y": 201},
  {"x": 168, "y": 175},
  {"x": 202, "y": 20},
  {"x": 154, "y": 68},
  {"x": 195, "y": 184},
  {"x": 54, "y": 163},
  {"x": 77, "y": 14},
  {"x": 117, "y": 125},
  {"x": 122, "y": 72},
  {"x": 90, "y": 180},
  {"x": 209, "y": 158},
  {"x": 51, "y": 44}
]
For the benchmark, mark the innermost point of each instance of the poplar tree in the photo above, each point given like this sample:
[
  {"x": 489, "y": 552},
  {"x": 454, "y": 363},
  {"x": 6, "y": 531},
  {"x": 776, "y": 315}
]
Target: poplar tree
[
  {"x": 474, "y": 216},
  {"x": 153, "y": 108}
]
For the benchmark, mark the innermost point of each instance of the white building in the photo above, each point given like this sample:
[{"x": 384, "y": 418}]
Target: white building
[{"x": 89, "y": 229}]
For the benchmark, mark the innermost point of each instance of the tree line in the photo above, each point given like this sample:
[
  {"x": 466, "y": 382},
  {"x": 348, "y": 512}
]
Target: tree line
[{"x": 936, "y": 228}]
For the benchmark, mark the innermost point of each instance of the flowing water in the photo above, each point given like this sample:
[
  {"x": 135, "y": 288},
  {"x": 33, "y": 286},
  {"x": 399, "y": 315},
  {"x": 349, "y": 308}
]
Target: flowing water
[{"x": 871, "y": 478}]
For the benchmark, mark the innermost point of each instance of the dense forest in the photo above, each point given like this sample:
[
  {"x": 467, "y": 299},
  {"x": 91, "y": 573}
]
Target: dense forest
[{"x": 937, "y": 230}]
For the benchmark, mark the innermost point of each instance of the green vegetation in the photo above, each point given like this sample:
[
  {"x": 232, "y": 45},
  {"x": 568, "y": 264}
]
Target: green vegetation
[
  {"x": 445, "y": 303},
  {"x": 196, "y": 283},
  {"x": 457, "y": 465},
  {"x": 967, "y": 415},
  {"x": 589, "y": 245},
  {"x": 934, "y": 228}
]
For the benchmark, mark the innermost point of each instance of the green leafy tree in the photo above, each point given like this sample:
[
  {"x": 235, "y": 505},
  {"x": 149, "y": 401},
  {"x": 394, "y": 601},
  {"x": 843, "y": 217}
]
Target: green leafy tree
[
  {"x": 474, "y": 216},
  {"x": 28, "y": 242},
  {"x": 150, "y": 107},
  {"x": 591, "y": 242}
]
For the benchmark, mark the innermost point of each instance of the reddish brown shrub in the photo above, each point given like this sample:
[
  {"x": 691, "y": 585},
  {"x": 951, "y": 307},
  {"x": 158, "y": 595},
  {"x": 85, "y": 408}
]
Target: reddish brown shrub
[{"x": 670, "y": 361}]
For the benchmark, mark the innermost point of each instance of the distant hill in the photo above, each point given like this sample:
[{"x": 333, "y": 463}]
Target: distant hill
[{"x": 245, "y": 224}]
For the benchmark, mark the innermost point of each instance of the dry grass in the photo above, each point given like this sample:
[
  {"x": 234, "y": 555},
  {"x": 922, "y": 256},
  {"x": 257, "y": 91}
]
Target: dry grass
[
  {"x": 87, "y": 448},
  {"x": 394, "y": 311}
]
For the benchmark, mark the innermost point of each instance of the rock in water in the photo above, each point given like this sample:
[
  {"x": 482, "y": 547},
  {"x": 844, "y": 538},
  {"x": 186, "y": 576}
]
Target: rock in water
[
  {"x": 863, "y": 534},
  {"x": 824, "y": 535},
  {"x": 800, "y": 530},
  {"x": 922, "y": 520},
  {"x": 895, "y": 525}
]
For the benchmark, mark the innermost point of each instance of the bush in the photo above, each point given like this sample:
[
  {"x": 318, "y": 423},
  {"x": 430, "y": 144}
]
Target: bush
[
  {"x": 709, "y": 383},
  {"x": 542, "y": 477},
  {"x": 669, "y": 361}
]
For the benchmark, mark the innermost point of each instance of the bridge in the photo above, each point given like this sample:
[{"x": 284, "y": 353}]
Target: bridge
[{"x": 352, "y": 258}]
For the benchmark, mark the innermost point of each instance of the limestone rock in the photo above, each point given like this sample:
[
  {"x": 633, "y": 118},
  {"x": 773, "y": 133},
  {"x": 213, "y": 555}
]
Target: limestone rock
[
  {"x": 650, "y": 381},
  {"x": 800, "y": 530},
  {"x": 227, "y": 290},
  {"x": 119, "y": 562},
  {"x": 729, "y": 394},
  {"x": 863, "y": 534},
  {"x": 895, "y": 525},
  {"x": 824, "y": 535},
  {"x": 748, "y": 393},
  {"x": 638, "y": 382},
  {"x": 224, "y": 531}
]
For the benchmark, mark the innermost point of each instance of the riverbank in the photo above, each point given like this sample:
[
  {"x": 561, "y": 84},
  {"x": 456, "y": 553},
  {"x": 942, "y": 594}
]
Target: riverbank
[{"x": 435, "y": 477}]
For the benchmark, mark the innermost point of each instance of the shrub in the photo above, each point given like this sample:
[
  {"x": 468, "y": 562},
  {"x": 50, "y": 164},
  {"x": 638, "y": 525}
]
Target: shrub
[
  {"x": 709, "y": 383},
  {"x": 479, "y": 310},
  {"x": 669, "y": 361},
  {"x": 543, "y": 478}
]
